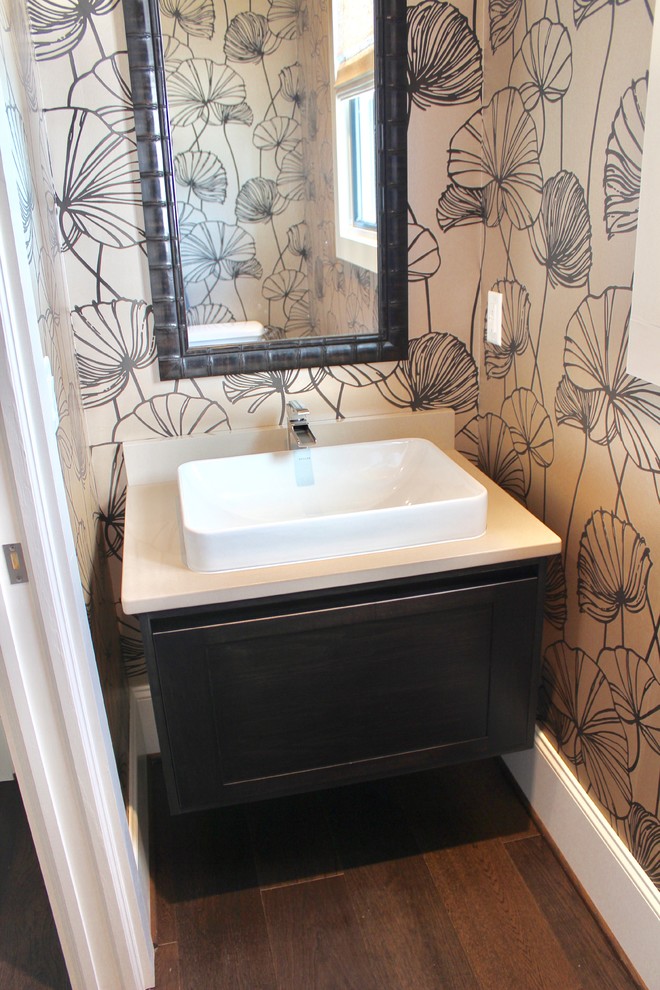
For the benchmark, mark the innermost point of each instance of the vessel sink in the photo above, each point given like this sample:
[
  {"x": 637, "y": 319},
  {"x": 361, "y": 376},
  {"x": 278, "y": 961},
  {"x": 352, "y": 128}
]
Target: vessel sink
[{"x": 293, "y": 505}]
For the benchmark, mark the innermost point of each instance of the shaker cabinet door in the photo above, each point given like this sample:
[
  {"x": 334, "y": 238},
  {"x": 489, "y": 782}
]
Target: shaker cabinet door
[{"x": 254, "y": 705}]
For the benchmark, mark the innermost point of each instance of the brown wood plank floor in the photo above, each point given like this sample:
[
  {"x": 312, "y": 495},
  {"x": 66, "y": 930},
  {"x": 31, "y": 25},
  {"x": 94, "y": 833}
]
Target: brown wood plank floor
[
  {"x": 30, "y": 953},
  {"x": 436, "y": 881}
]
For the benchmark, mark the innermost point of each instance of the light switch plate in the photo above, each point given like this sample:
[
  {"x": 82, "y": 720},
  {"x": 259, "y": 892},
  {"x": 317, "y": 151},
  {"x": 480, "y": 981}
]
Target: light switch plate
[{"x": 494, "y": 318}]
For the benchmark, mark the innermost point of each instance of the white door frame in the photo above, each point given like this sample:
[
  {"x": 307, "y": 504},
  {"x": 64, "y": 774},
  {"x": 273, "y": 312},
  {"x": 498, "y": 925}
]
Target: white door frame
[{"x": 50, "y": 696}]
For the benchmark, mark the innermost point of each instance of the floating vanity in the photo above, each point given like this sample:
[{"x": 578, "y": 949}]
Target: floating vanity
[{"x": 272, "y": 678}]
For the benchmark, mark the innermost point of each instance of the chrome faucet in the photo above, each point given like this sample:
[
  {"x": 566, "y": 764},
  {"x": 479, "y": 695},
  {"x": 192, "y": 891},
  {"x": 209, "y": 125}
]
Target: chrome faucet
[{"x": 298, "y": 432}]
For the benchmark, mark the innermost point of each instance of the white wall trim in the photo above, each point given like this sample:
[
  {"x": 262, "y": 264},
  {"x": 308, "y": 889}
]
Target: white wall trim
[
  {"x": 619, "y": 889},
  {"x": 138, "y": 793},
  {"x": 50, "y": 696},
  {"x": 6, "y": 766}
]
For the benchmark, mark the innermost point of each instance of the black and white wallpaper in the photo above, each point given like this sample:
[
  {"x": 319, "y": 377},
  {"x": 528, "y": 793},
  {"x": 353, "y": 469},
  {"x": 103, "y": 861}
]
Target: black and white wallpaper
[
  {"x": 33, "y": 201},
  {"x": 526, "y": 126}
]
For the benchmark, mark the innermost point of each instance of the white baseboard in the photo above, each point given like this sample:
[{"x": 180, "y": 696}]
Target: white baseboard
[
  {"x": 6, "y": 765},
  {"x": 142, "y": 733},
  {"x": 619, "y": 889}
]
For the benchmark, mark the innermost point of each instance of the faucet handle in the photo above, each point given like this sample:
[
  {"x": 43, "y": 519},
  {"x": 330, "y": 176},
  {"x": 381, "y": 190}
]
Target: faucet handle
[{"x": 295, "y": 409}]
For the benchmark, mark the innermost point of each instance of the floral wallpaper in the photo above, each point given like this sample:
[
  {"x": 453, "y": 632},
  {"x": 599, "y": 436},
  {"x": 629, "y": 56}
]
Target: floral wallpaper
[
  {"x": 552, "y": 161},
  {"x": 35, "y": 232},
  {"x": 526, "y": 124}
]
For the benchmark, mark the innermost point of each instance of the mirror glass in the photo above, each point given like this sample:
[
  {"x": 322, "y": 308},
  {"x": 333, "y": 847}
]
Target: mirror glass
[{"x": 272, "y": 153}]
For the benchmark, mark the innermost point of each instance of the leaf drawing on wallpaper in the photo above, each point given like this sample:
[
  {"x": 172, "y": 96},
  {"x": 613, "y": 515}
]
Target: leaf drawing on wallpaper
[
  {"x": 555, "y": 606},
  {"x": 48, "y": 304},
  {"x": 98, "y": 190},
  {"x": 71, "y": 434},
  {"x": 200, "y": 174},
  {"x": 623, "y": 160},
  {"x": 531, "y": 433},
  {"x": 23, "y": 177},
  {"x": 106, "y": 90},
  {"x": 354, "y": 314},
  {"x": 578, "y": 708},
  {"x": 298, "y": 242},
  {"x": 582, "y": 9},
  {"x": 459, "y": 206},
  {"x": 263, "y": 385},
  {"x": 196, "y": 18},
  {"x": 112, "y": 515},
  {"x": 208, "y": 313},
  {"x": 503, "y": 17},
  {"x": 439, "y": 371},
  {"x": 487, "y": 442},
  {"x": 198, "y": 87},
  {"x": 501, "y": 358},
  {"x": 171, "y": 415},
  {"x": 613, "y": 568},
  {"x": 595, "y": 351},
  {"x": 288, "y": 18},
  {"x": 294, "y": 180},
  {"x": 85, "y": 552},
  {"x": 561, "y": 242},
  {"x": 292, "y": 88},
  {"x": 582, "y": 409},
  {"x": 99, "y": 179},
  {"x": 444, "y": 56},
  {"x": 174, "y": 51},
  {"x": 354, "y": 376},
  {"x": 209, "y": 249},
  {"x": 278, "y": 134},
  {"x": 258, "y": 201},
  {"x": 58, "y": 26},
  {"x": 16, "y": 20},
  {"x": 188, "y": 216},
  {"x": 423, "y": 253},
  {"x": 287, "y": 286},
  {"x": 561, "y": 236},
  {"x": 644, "y": 836},
  {"x": 232, "y": 113},
  {"x": 497, "y": 151},
  {"x": 130, "y": 640},
  {"x": 423, "y": 258},
  {"x": 543, "y": 68},
  {"x": 586, "y": 8},
  {"x": 249, "y": 39},
  {"x": 636, "y": 694},
  {"x": 301, "y": 323},
  {"x": 113, "y": 341}
]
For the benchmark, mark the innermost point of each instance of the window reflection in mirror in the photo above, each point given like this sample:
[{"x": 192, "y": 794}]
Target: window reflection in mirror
[
  {"x": 353, "y": 123},
  {"x": 277, "y": 220}
]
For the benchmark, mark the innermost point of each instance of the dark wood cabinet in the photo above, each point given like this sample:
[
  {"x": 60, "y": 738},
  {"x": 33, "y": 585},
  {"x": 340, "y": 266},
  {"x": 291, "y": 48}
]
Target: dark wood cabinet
[{"x": 293, "y": 693}]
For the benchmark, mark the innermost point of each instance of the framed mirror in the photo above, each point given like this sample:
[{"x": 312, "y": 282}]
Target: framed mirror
[{"x": 272, "y": 153}]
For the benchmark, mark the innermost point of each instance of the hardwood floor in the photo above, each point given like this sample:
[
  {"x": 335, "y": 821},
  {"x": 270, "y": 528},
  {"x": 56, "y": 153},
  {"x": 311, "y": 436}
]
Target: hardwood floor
[
  {"x": 435, "y": 881},
  {"x": 30, "y": 953}
]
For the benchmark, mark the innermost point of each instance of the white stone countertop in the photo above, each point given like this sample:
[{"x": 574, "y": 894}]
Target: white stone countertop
[{"x": 155, "y": 576}]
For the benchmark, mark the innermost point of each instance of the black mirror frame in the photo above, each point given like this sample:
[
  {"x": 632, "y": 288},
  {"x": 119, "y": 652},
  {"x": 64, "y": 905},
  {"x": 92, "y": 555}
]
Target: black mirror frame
[{"x": 175, "y": 360}]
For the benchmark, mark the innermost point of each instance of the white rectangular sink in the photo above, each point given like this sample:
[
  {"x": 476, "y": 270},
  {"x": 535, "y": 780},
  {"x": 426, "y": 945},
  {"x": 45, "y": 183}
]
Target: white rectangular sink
[{"x": 288, "y": 506}]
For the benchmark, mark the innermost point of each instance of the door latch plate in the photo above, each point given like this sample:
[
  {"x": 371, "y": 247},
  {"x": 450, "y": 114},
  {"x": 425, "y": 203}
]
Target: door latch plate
[{"x": 15, "y": 563}]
